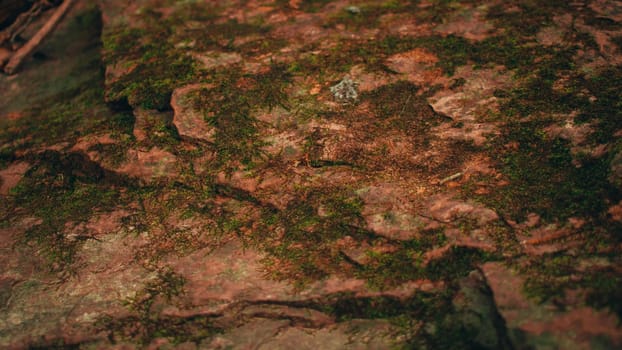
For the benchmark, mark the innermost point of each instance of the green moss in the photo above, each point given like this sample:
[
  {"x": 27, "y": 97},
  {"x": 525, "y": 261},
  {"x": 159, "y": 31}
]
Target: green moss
[
  {"x": 121, "y": 43},
  {"x": 386, "y": 270},
  {"x": 61, "y": 190},
  {"x": 222, "y": 35},
  {"x": 544, "y": 177},
  {"x": 114, "y": 153},
  {"x": 149, "y": 82},
  {"x": 167, "y": 284},
  {"x": 304, "y": 5},
  {"x": 530, "y": 17},
  {"x": 458, "y": 262},
  {"x": 452, "y": 51},
  {"x": 400, "y": 106},
  {"x": 537, "y": 94},
  {"x": 606, "y": 109},
  {"x": 64, "y": 189},
  {"x": 546, "y": 277},
  {"x": 423, "y": 321},
  {"x": 549, "y": 277},
  {"x": 261, "y": 46},
  {"x": 335, "y": 60},
  {"x": 175, "y": 329},
  {"x": 229, "y": 108},
  {"x": 348, "y": 307},
  {"x": 604, "y": 289},
  {"x": 194, "y": 11},
  {"x": 313, "y": 5},
  {"x": 436, "y": 12},
  {"x": 146, "y": 323},
  {"x": 507, "y": 50},
  {"x": 61, "y": 110},
  {"x": 300, "y": 239},
  {"x": 544, "y": 180}
]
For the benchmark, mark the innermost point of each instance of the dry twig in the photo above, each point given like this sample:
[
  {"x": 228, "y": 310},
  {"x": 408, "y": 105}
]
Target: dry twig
[
  {"x": 23, "y": 20},
  {"x": 25, "y": 51}
]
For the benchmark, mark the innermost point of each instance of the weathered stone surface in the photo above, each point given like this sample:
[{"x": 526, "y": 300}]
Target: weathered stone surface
[
  {"x": 390, "y": 212},
  {"x": 550, "y": 35},
  {"x": 251, "y": 335},
  {"x": 532, "y": 324},
  {"x": 148, "y": 123},
  {"x": 417, "y": 65},
  {"x": 445, "y": 209},
  {"x": 217, "y": 59},
  {"x": 227, "y": 275},
  {"x": 475, "y": 97},
  {"x": 273, "y": 334},
  {"x": 38, "y": 310},
  {"x": 456, "y": 194},
  {"x": 547, "y": 239},
  {"x": 349, "y": 335},
  {"x": 10, "y": 176},
  {"x": 479, "y": 312},
  {"x": 190, "y": 121},
  {"x": 150, "y": 165},
  {"x": 469, "y": 23}
]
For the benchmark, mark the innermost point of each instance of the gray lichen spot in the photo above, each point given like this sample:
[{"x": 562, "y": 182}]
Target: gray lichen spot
[
  {"x": 345, "y": 91},
  {"x": 355, "y": 10}
]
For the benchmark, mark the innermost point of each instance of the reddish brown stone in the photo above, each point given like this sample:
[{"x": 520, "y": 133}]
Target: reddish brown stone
[
  {"x": 149, "y": 165},
  {"x": 190, "y": 121},
  {"x": 11, "y": 176}
]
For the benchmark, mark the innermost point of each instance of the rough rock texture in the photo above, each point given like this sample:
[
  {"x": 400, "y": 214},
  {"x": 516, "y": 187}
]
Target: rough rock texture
[
  {"x": 10, "y": 176},
  {"x": 189, "y": 121},
  {"x": 536, "y": 325},
  {"x": 315, "y": 174}
]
